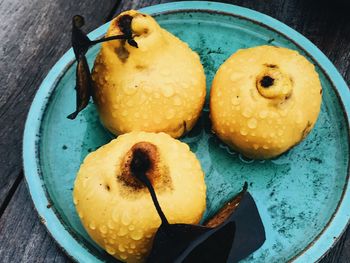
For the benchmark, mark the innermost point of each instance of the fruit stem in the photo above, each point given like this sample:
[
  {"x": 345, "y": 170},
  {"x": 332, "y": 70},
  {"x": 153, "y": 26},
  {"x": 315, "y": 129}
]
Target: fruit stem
[
  {"x": 104, "y": 39},
  {"x": 140, "y": 165}
]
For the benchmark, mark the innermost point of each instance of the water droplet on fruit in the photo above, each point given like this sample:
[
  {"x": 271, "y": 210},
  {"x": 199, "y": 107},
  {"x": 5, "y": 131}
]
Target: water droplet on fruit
[
  {"x": 123, "y": 256},
  {"x": 263, "y": 114},
  {"x": 243, "y": 131},
  {"x": 255, "y": 146},
  {"x": 247, "y": 112},
  {"x": 131, "y": 227},
  {"x": 252, "y": 123},
  {"x": 122, "y": 231},
  {"x": 121, "y": 248},
  {"x": 81, "y": 215},
  {"x": 110, "y": 224},
  {"x": 132, "y": 245},
  {"x": 103, "y": 229},
  {"x": 136, "y": 235},
  {"x": 126, "y": 219},
  {"x": 110, "y": 250},
  {"x": 75, "y": 200},
  {"x": 167, "y": 91},
  {"x": 266, "y": 147},
  {"x": 92, "y": 225},
  {"x": 111, "y": 241}
]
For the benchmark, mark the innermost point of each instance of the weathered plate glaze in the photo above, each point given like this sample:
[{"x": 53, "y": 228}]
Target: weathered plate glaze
[{"x": 303, "y": 195}]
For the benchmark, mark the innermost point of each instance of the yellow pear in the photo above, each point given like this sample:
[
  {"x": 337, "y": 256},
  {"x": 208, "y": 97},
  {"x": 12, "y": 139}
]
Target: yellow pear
[
  {"x": 116, "y": 209},
  {"x": 264, "y": 100},
  {"x": 158, "y": 86}
]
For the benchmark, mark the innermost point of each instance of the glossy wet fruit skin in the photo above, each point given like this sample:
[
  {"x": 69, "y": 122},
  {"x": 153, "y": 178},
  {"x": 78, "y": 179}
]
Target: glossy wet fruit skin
[
  {"x": 122, "y": 218},
  {"x": 264, "y": 100},
  {"x": 157, "y": 87}
]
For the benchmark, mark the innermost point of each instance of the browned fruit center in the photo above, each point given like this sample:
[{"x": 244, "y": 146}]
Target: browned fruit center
[{"x": 145, "y": 156}]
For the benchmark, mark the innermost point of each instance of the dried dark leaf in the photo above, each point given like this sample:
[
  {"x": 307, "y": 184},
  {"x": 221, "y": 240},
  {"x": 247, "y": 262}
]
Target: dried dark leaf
[
  {"x": 214, "y": 246},
  {"x": 172, "y": 240},
  {"x": 236, "y": 231},
  {"x": 81, "y": 44},
  {"x": 83, "y": 86}
]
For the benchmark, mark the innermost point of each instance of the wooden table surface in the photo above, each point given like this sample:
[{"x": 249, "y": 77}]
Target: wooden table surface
[{"x": 36, "y": 33}]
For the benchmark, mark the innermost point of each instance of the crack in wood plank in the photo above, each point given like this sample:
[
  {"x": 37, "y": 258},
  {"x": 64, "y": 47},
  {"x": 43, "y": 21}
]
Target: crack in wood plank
[{"x": 11, "y": 193}]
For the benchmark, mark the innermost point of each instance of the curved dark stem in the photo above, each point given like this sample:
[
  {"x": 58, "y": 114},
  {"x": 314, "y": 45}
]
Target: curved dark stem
[
  {"x": 140, "y": 165},
  {"x": 155, "y": 202},
  {"x": 105, "y": 39},
  {"x": 81, "y": 44}
]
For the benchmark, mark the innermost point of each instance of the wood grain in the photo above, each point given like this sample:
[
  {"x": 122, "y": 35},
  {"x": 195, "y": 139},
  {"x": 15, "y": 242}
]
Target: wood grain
[
  {"x": 23, "y": 238},
  {"x": 35, "y": 33}
]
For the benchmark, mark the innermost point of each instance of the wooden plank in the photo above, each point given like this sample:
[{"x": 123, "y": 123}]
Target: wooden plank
[
  {"x": 34, "y": 35},
  {"x": 22, "y": 237},
  {"x": 137, "y": 4}
]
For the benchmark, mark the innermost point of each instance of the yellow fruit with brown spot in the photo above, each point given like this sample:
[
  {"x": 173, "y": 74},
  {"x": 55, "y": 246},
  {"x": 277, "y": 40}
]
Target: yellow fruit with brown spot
[
  {"x": 264, "y": 100},
  {"x": 117, "y": 210},
  {"x": 157, "y": 87}
]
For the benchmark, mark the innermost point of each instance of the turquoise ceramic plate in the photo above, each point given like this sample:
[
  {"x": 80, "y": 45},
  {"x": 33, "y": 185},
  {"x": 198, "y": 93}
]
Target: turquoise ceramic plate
[{"x": 303, "y": 196}]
